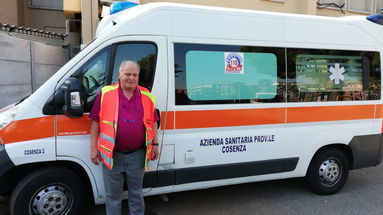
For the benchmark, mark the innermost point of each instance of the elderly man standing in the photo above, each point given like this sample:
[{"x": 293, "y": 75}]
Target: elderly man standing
[{"x": 124, "y": 137}]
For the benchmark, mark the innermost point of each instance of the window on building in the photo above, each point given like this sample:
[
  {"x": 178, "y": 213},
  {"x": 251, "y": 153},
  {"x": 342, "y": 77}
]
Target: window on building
[
  {"x": 338, "y": 2},
  {"x": 277, "y": 0},
  {"x": 361, "y": 6},
  {"x": 330, "y": 75},
  {"x": 379, "y": 6},
  {"x": 214, "y": 74},
  {"x": 46, "y": 4}
]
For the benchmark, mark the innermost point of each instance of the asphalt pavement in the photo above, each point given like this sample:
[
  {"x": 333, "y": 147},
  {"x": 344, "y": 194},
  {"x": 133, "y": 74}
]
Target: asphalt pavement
[{"x": 362, "y": 194}]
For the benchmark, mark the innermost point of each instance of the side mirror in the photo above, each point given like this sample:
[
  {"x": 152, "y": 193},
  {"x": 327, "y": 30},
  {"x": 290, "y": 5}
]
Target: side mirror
[{"x": 73, "y": 104}]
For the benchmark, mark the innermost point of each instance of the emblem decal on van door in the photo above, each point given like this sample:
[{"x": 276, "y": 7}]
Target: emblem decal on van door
[{"x": 336, "y": 73}]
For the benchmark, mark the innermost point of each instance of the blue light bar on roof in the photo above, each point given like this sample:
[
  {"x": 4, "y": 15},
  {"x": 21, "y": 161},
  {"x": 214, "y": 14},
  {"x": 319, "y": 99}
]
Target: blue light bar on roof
[
  {"x": 377, "y": 18},
  {"x": 120, "y": 6}
]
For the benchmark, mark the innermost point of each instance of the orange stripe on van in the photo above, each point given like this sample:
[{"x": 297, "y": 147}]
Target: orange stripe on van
[
  {"x": 43, "y": 127},
  {"x": 264, "y": 116},
  {"x": 28, "y": 129},
  {"x": 379, "y": 111},
  {"x": 73, "y": 126},
  {"x": 167, "y": 120},
  {"x": 226, "y": 118},
  {"x": 329, "y": 113}
]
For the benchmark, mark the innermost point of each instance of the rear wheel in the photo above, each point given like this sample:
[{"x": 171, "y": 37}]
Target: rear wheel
[
  {"x": 328, "y": 171},
  {"x": 48, "y": 191}
]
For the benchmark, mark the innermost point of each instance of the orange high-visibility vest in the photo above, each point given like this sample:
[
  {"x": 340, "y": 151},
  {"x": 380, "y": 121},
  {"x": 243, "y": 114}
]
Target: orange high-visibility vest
[{"x": 109, "y": 120}]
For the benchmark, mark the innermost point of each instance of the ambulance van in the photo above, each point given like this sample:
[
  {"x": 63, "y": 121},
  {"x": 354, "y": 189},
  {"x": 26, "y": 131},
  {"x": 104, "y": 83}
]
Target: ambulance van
[{"x": 244, "y": 96}]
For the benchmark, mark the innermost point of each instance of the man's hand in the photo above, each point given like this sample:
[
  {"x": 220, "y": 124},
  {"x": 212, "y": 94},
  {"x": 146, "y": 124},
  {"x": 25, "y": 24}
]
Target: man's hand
[
  {"x": 94, "y": 132},
  {"x": 94, "y": 155},
  {"x": 155, "y": 152}
]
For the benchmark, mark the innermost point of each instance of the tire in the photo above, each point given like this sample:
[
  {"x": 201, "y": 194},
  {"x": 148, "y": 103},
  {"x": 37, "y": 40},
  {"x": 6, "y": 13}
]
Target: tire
[
  {"x": 50, "y": 190},
  {"x": 328, "y": 172}
]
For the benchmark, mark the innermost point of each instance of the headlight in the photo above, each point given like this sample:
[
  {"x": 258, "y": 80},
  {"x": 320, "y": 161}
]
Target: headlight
[{"x": 7, "y": 115}]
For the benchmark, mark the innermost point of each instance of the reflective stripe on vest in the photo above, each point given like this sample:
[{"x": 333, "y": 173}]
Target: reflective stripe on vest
[
  {"x": 107, "y": 89},
  {"x": 107, "y": 160},
  {"x": 107, "y": 138},
  {"x": 108, "y": 123},
  {"x": 152, "y": 98}
]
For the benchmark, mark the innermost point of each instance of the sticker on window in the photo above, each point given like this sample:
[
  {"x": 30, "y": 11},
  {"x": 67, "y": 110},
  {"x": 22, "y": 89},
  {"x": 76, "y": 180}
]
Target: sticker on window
[
  {"x": 234, "y": 63},
  {"x": 329, "y": 73}
]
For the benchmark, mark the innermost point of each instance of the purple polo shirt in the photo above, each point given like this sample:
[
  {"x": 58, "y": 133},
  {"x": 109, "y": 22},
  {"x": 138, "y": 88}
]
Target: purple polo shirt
[{"x": 130, "y": 127}]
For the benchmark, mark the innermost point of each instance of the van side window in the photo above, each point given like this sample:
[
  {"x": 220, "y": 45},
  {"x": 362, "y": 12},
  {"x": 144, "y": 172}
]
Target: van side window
[
  {"x": 220, "y": 74},
  {"x": 93, "y": 76},
  {"x": 145, "y": 54},
  {"x": 332, "y": 75}
]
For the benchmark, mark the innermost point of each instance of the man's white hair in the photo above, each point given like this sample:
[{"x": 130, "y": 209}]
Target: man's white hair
[{"x": 128, "y": 64}]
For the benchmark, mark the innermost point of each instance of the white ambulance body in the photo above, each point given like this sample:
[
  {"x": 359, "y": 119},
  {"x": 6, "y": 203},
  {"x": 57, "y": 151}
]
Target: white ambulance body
[{"x": 244, "y": 96}]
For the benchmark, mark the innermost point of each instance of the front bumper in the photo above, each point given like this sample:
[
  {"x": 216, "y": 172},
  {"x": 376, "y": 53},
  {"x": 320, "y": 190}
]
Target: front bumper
[{"x": 5, "y": 165}]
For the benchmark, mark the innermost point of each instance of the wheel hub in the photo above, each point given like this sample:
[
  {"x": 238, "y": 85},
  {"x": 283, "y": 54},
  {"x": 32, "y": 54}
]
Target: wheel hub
[
  {"x": 329, "y": 172},
  {"x": 51, "y": 200}
]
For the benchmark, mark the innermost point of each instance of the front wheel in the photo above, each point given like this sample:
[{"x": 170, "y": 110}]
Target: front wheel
[
  {"x": 328, "y": 172},
  {"x": 48, "y": 191}
]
